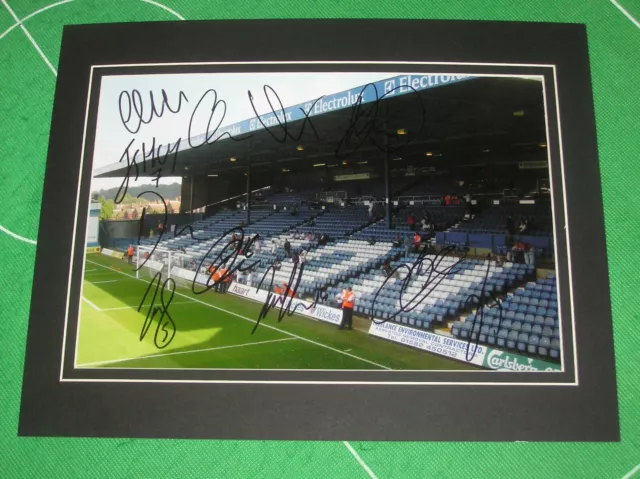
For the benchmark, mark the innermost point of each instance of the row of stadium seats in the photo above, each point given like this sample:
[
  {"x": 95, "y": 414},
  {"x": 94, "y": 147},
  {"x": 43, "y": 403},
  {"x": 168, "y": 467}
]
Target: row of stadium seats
[
  {"x": 494, "y": 220},
  {"x": 530, "y": 326},
  {"x": 444, "y": 296},
  {"x": 330, "y": 263}
]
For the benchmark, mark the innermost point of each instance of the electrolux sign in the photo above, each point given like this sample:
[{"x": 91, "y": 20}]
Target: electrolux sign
[{"x": 400, "y": 85}]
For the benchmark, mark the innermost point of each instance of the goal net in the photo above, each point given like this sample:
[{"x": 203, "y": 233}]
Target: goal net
[{"x": 159, "y": 260}]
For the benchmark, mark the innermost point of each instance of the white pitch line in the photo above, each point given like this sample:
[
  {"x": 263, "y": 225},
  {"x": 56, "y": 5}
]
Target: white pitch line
[
  {"x": 90, "y": 270},
  {"x": 253, "y": 321},
  {"x": 33, "y": 15},
  {"x": 100, "y": 363},
  {"x": 91, "y": 304},
  {"x": 629, "y": 474},
  {"x": 33, "y": 42},
  {"x": 360, "y": 461},
  {"x": 145, "y": 305},
  {"x": 102, "y": 282},
  {"x": 625, "y": 13},
  {"x": 16, "y": 236},
  {"x": 164, "y": 7}
]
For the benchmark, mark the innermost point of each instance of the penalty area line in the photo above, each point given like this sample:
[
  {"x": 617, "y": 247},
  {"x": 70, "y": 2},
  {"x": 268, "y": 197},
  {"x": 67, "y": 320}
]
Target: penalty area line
[
  {"x": 91, "y": 304},
  {"x": 254, "y": 321},
  {"x": 175, "y": 353},
  {"x": 144, "y": 306}
]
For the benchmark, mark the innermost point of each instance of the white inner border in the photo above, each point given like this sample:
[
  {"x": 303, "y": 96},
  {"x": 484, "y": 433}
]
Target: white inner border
[{"x": 400, "y": 383}]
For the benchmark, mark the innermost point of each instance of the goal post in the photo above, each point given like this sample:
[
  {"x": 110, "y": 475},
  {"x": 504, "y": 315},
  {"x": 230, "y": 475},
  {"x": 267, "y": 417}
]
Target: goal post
[{"x": 157, "y": 260}]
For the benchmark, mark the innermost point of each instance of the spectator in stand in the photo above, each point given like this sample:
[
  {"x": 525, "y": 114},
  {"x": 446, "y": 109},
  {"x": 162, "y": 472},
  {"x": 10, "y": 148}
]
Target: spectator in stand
[
  {"x": 371, "y": 210},
  {"x": 277, "y": 265},
  {"x": 130, "y": 254},
  {"x": 411, "y": 221},
  {"x": 447, "y": 199},
  {"x": 529, "y": 254},
  {"x": 407, "y": 245},
  {"x": 397, "y": 242},
  {"x": 523, "y": 227},
  {"x": 295, "y": 257},
  {"x": 467, "y": 198},
  {"x": 423, "y": 224},
  {"x": 309, "y": 236},
  {"x": 324, "y": 239},
  {"x": 417, "y": 239},
  {"x": 287, "y": 248},
  {"x": 372, "y": 240},
  {"x": 386, "y": 269},
  {"x": 303, "y": 256},
  {"x": 160, "y": 228},
  {"x": 509, "y": 243},
  {"x": 296, "y": 235},
  {"x": 274, "y": 246},
  {"x": 518, "y": 252}
]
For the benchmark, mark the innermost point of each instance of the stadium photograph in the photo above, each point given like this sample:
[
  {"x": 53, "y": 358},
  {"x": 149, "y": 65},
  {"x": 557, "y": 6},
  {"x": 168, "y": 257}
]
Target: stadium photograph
[{"x": 320, "y": 221}]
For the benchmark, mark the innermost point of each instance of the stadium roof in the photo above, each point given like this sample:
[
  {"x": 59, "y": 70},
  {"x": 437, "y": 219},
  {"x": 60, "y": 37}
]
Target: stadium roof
[{"x": 459, "y": 119}]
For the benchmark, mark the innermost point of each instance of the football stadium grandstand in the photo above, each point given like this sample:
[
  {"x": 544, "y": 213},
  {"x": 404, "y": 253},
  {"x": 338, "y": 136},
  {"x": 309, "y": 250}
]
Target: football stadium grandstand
[{"x": 451, "y": 234}]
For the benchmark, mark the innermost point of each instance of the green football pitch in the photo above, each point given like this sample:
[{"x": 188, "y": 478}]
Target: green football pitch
[{"x": 214, "y": 330}]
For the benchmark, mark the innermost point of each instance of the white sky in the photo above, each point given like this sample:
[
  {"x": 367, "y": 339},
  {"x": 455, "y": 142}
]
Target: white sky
[{"x": 112, "y": 137}]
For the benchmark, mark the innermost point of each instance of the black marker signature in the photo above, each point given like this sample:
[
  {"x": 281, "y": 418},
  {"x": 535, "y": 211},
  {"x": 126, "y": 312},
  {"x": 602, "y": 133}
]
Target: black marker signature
[
  {"x": 282, "y": 124},
  {"x": 422, "y": 267},
  {"x": 227, "y": 256},
  {"x": 166, "y": 324},
  {"x": 429, "y": 268},
  {"x": 366, "y": 122},
  {"x": 217, "y": 103},
  {"x": 288, "y": 295},
  {"x": 161, "y": 234},
  {"x": 481, "y": 301},
  {"x": 134, "y": 111}
]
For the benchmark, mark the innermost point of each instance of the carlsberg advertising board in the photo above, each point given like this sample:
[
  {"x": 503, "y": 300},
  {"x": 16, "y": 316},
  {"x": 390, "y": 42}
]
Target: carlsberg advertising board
[{"x": 507, "y": 361}]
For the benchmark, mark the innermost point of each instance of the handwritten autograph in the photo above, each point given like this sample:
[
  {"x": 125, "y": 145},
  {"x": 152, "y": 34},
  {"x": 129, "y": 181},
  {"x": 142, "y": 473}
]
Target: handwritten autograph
[
  {"x": 429, "y": 269},
  {"x": 286, "y": 300},
  {"x": 166, "y": 324},
  {"x": 365, "y": 122}
]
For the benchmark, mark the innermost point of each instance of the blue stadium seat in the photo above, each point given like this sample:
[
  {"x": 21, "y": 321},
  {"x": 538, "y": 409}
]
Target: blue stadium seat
[
  {"x": 534, "y": 341},
  {"x": 545, "y": 345},
  {"x": 523, "y": 340},
  {"x": 554, "y": 350},
  {"x": 512, "y": 339},
  {"x": 501, "y": 339}
]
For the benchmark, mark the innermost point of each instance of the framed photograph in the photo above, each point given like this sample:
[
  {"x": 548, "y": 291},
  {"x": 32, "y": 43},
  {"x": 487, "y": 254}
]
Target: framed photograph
[{"x": 316, "y": 240}]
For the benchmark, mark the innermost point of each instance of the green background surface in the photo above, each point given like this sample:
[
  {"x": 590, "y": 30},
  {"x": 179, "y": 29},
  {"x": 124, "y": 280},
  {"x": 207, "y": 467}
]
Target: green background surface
[{"x": 26, "y": 97}]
